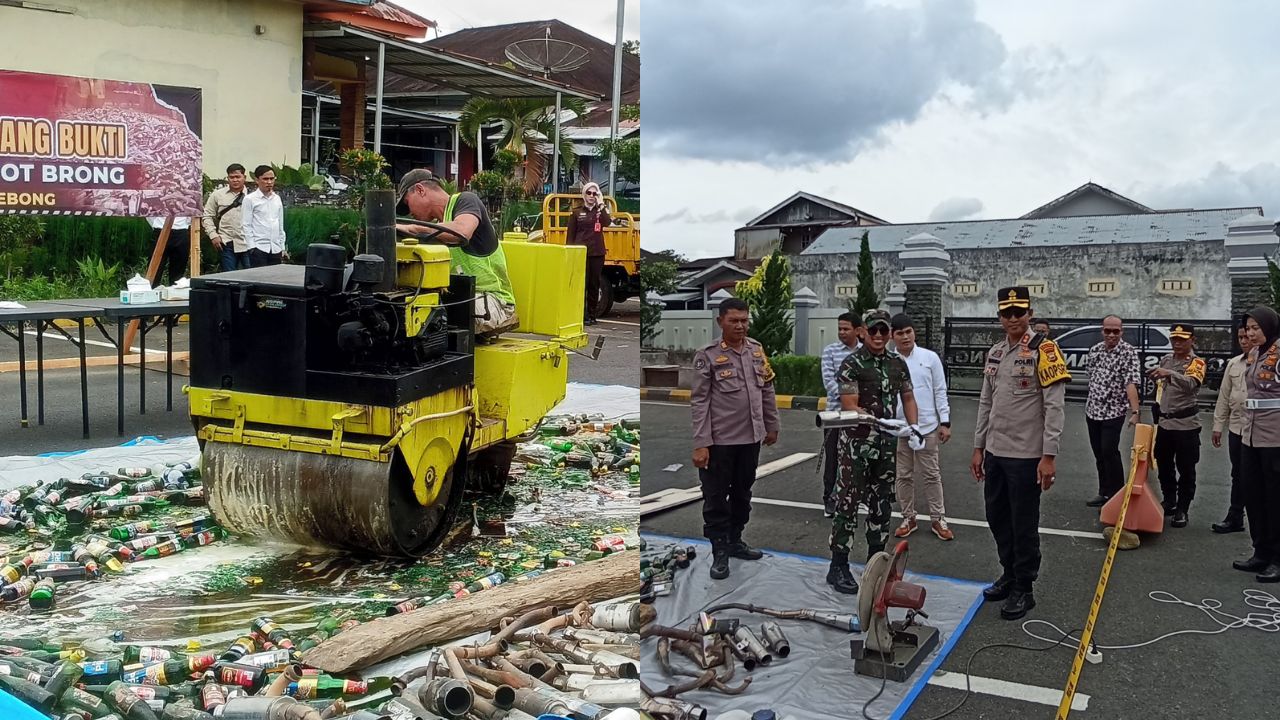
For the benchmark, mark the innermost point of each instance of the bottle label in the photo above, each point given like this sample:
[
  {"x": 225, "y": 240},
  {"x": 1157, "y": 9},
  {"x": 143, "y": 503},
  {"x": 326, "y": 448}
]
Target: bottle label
[
  {"x": 236, "y": 676},
  {"x": 196, "y": 663},
  {"x": 97, "y": 667},
  {"x": 305, "y": 688},
  {"x": 355, "y": 687},
  {"x": 150, "y": 654}
]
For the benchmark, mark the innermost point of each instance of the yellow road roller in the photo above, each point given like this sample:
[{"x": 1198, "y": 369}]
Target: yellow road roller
[{"x": 350, "y": 404}]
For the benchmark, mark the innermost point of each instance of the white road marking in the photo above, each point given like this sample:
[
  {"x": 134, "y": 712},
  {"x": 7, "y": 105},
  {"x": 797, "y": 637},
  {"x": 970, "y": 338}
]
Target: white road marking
[
  {"x": 950, "y": 520},
  {"x": 1004, "y": 688},
  {"x": 781, "y": 464},
  {"x": 668, "y": 404},
  {"x": 619, "y": 322}
]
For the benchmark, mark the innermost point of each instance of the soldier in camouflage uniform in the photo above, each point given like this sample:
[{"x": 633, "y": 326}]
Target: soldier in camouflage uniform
[{"x": 871, "y": 380}]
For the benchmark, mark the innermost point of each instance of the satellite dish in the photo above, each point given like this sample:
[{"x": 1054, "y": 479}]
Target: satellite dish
[{"x": 547, "y": 55}]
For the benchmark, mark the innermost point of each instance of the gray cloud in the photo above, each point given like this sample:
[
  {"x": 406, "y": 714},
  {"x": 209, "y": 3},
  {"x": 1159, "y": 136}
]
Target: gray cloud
[
  {"x": 1222, "y": 186},
  {"x": 718, "y": 216},
  {"x": 956, "y": 208},
  {"x": 813, "y": 83}
]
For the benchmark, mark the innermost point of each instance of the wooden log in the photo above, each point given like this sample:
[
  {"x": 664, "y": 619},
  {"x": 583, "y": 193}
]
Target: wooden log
[{"x": 377, "y": 640}]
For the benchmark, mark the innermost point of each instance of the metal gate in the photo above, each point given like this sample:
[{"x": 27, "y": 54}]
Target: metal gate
[{"x": 967, "y": 340}]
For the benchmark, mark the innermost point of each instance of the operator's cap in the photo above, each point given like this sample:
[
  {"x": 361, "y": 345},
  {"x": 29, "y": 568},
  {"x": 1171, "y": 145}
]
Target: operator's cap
[
  {"x": 411, "y": 178},
  {"x": 1013, "y": 297},
  {"x": 1181, "y": 331},
  {"x": 877, "y": 317}
]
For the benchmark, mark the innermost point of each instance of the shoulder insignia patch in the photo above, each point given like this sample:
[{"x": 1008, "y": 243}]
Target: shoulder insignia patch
[
  {"x": 1051, "y": 368},
  {"x": 1196, "y": 369}
]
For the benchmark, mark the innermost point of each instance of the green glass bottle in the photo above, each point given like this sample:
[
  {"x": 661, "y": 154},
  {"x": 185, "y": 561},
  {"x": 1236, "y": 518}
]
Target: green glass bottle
[
  {"x": 65, "y": 674},
  {"x": 102, "y": 671},
  {"x": 142, "y": 654},
  {"x": 184, "y": 711},
  {"x": 12, "y": 670},
  {"x": 77, "y": 700},
  {"x": 164, "y": 549},
  {"x": 29, "y": 693},
  {"x": 169, "y": 672},
  {"x": 124, "y": 700},
  {"x": 325, "y": 686},
  {"x": 43, "y": 595},
  {"x": 250, "y": 677}
]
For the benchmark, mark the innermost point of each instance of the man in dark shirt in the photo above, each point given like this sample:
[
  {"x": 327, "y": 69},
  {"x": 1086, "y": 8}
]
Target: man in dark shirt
[{"x": 586, "y": 227}]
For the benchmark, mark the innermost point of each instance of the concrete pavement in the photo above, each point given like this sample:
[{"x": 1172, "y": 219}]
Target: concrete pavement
[{"x": 1222, "y": 675}]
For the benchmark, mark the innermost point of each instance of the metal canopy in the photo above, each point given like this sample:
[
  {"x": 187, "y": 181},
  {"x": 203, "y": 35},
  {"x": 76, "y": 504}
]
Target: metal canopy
[{"x": 423, "y": 62}]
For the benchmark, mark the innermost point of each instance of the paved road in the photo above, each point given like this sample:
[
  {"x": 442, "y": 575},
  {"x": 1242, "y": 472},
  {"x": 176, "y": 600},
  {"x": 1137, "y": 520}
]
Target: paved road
[
  {"x": 1183, "y": 677},
  {"x": 617, "y": 365}
]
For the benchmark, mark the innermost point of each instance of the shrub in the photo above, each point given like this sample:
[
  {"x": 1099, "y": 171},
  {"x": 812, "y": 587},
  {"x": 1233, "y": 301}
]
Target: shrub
[
  {"x": 306, "y": 225},
  {"x": 798, "y": 375},
  {"x": 18, "y": 234},
  {"x": 505, "y": 162}
]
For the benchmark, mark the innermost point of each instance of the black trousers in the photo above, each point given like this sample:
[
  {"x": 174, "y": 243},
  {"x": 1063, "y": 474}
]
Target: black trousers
[
  {"x": 1012, "y": 494},
  {"x": 1234, "y": 445},
  {"x": 1261, "y": 475},
  {"x": 726, "y": 491},
  {"x": 1104, "y": 438},
  {"x": 830, "y": 462},
  {"x": 1177, "y": 452},
  {"x": 177, "y": 253},
  {"x": 595, "y": 266},
  {"x": 258, "y": 258}
]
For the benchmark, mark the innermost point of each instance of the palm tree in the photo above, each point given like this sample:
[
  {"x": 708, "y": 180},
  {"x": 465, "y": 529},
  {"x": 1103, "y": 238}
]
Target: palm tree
[{"x": 526, "y": 125}]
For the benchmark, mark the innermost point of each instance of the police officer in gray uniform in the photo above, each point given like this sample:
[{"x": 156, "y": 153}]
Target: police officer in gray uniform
[
  {"x": 1015, "y": 446},
  {"x": 1178, "y": 379},
  {"x": 1260, "y": 454},
  {"x": 734, "y": 410}
]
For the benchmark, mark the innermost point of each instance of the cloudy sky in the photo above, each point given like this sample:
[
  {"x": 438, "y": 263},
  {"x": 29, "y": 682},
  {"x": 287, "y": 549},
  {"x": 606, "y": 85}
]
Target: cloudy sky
[
  {"x": 914, "y": 110},
  {"x": 598, "y": 17}
]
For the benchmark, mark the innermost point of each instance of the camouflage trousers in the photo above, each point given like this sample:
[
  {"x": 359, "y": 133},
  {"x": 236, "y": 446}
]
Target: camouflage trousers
[{"x": 862, "y": 479}]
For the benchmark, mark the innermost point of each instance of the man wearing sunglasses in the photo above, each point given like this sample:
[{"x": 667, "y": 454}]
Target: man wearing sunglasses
[
  {"x": 1114, "y": 372},
  {"x": 1015, "y": 444},
  {"x": 871, "y": 381},
  {"x": 1178, "y": 379}
]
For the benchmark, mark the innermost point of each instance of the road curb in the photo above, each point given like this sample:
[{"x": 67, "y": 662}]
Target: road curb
[{"x": 785, "y": 402}]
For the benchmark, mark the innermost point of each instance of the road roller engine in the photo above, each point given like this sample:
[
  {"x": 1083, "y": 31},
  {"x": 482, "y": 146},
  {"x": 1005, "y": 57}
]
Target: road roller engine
[{"x": 350, "y": 404}]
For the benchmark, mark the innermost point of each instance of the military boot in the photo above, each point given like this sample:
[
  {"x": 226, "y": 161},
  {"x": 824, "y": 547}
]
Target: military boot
[
  {"x": 719, "y": 560},
  {"x": 740, "y": 549},
  {"x": 839, "y": 576}
]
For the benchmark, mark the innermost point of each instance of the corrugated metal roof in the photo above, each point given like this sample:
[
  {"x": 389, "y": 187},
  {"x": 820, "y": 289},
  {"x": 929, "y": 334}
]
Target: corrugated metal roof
[
  {"x": 1193, "y": 225},
  {"x": 433, "y": 64}
]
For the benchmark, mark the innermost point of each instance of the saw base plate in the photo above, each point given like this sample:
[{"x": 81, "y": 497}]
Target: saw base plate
[{"x": 910, "y": 647}]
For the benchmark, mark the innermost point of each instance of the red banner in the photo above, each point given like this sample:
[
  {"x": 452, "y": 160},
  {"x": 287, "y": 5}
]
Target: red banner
[{"x": 78, "y": 146}]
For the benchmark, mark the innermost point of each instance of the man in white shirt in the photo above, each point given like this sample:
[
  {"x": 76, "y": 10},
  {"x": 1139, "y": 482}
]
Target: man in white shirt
[
  {"x": 176, "y": 251},
  {"x": 929, "y": 385},
  {"x": 848, "y": 326},
  {"x": 1230, "y": 412},
  {"x": 263, "y": 220}
]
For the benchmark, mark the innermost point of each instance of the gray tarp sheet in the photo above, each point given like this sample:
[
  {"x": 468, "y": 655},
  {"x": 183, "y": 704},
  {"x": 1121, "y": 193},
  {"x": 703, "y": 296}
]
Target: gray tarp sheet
[{"x": 816, "y": 682}]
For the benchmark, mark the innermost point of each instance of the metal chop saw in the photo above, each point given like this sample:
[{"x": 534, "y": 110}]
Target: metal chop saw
[
  {"x": 350, "y": 405},
  {"x": 888, "y": 649}
]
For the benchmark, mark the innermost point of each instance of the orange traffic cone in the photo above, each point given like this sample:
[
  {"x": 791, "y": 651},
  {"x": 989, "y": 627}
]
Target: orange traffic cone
[{"x": 1144, "y": 513}]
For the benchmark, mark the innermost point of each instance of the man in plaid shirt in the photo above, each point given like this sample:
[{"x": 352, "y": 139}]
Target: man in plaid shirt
[{"x": 1113, "y": 396}]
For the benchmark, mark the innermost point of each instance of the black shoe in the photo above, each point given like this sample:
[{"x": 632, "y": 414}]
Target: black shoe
[
  {"x": 1270, "y": 575},
  {"x": 871, "y": 551},
  {"x": 1253, "y": 564},
  {"x": 839, "y": 576},
  {"x": 1097, "y": 501},
  {"x": 719, "y": 563},
  {"x": 1229, "y": 525},
  {"x": 998, "y": 590},
  {"x": 1179, "y": 519},
  {"x": 828, "y": 507},
  {"x": 1169, "y": 510},
  {"x": 743, "y": 551},
  {"x": 1018, "y": 605}
]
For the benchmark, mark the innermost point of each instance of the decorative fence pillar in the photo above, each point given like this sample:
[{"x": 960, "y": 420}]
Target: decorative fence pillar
[
  {"x": 804, "y": 301},
  {"x": 924, "y": 271},
  {"x": 1250, "y": 241}
]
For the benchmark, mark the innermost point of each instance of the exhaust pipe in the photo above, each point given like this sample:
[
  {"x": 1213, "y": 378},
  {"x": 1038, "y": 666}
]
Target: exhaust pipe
[
  {"x": 773, "y": 637},
  {"x": 602, "y": 637},
  {"x": 674, "y": 709},
  {"x": 446, "y": 696},
  {"x": 268, "y": 708},
  {"x": 613, "y": 693},
  {"x": 622, "y": 617},
  {"x": 744, "y": 635}
]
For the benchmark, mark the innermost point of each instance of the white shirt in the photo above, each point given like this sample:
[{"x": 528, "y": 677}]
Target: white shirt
[
  {"x": 263, "y": 219},
  {"x": 929, "y": 386},
  {"x": 179, "y": 223}
]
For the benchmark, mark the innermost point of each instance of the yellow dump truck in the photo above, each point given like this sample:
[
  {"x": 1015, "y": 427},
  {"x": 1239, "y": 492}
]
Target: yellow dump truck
[{"x": 620, "y": 279}]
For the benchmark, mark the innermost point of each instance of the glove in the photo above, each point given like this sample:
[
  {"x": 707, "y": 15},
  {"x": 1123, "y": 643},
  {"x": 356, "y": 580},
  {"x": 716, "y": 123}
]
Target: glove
[{"x": 915, "y": 440}]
